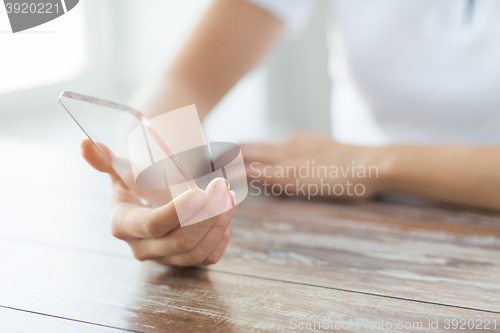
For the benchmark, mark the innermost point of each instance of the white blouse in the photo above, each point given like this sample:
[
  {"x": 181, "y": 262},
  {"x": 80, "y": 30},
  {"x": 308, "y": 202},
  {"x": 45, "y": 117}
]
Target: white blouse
[{"x": 412, "y": 71}]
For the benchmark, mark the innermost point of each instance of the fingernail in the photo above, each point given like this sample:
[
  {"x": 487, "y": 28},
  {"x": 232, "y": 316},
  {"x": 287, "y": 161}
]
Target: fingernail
[
  {"x": 233, "y": 198},
  {"x": 228, "y": 205},
  {"x": 231, "y": 202},
  {"x": 196, "y": 199},
  {"x": 221, "y": 189}
]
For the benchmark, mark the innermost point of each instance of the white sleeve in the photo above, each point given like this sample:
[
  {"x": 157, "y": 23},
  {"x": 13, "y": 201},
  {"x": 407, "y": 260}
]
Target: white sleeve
[{"x": 295, "y": 14}]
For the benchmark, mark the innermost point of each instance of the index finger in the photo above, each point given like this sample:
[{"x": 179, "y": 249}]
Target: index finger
[
  {"x": 131, "y": 221},
  {"x": 96, "y": 157}
]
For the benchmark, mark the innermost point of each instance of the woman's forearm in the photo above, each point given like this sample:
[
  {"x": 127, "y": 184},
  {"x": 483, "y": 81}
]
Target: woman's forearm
[
  {"x": 465, "y": 175},
  {"x": 230, "y": 39}
]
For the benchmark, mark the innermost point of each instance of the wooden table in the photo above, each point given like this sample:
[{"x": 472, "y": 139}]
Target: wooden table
[{"x": 347, "y": 266}]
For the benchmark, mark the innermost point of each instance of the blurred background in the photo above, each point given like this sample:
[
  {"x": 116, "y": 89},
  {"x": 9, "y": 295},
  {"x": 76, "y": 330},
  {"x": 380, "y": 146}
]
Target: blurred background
[{"x": 109, "y": 48}]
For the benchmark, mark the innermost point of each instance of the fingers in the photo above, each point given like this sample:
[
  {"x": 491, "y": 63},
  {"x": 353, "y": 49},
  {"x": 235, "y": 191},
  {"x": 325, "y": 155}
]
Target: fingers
[
  {"x": 120, "y": 192},
  {"x": 153, "y": 233},
  {"x": 95, "y": 158},
  {"x": 261, "y": 152},
  {"x": 298, "y": 144},
  {"x": 272, "y": 174},
  {"x": 184, "y": 240},
  {"x": 217, "y": 236},
  {"x": 218, "y": 201},
  {"x": 130, "y": 221},
  {"x": 218, "y": 252}
]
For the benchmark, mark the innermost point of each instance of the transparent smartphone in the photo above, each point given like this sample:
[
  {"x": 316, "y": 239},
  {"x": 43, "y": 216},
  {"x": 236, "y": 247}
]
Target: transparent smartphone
[{"x": 161, "y": 158}]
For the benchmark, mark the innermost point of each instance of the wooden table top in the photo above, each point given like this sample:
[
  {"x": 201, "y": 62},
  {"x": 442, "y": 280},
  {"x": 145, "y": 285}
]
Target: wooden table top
[{"x": 290, "y": 263}]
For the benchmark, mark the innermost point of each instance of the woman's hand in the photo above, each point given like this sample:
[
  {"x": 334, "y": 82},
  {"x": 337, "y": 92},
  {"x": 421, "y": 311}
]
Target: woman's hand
[
  {"x": 311, "y": 165},
  {"x": 155, "y": 233}
]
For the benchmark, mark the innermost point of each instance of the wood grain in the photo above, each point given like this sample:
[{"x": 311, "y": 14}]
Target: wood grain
[
  {"x": 422, "y": 253},
  {"x": 288, "y": 259},
  {"x": 145, "y": 297}
]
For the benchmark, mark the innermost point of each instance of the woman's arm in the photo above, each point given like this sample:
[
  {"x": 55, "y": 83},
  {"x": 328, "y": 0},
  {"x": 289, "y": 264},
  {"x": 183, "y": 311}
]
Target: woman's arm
[
  {"x": 464, "y": 175},
  {"x": 230, "y": 39}
]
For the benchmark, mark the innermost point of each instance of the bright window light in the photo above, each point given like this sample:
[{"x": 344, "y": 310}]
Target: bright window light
[{"x": 50, "y": 53}]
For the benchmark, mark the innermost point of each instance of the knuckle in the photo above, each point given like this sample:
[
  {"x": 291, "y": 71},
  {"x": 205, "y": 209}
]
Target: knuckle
[
  {"x": 227, "y": 236},
  {"x": 221, "y": 223},
  {"x": 153, "y": 229},
  {"x": 166, "y": 261},
  {"x": 139, "y": 255},
  {"x": 213, "y": 259},
  {"x": 196, "y": 257},
  {"x": 182, "y": 244},
  {"x": 116, "y": 232}
]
